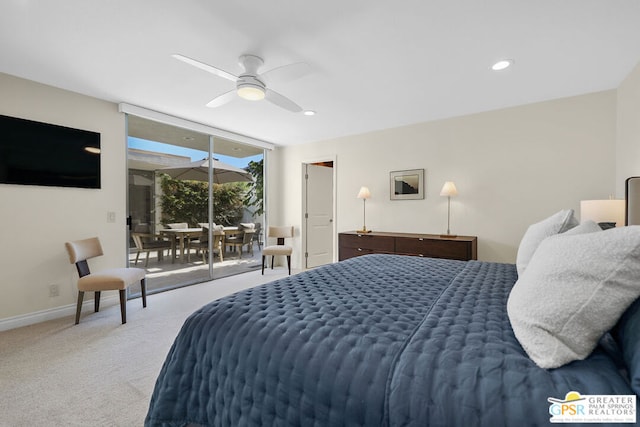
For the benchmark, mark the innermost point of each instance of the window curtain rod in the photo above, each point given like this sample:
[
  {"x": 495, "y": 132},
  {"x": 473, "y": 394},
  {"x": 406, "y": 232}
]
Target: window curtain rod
[{"x": 194, "y": 126}]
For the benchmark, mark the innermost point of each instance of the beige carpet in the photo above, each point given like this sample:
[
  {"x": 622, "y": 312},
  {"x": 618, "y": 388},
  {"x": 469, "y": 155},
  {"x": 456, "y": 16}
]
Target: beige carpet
[{"x": 100, "y": 372}]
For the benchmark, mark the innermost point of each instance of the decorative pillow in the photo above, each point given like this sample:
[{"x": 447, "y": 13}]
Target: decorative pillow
[
  {"x": 575, "y": 289},
  {"x": 536, "y": 233},
  {"x": 627, "y": 336},
  {"x": 587, "y": 226}
]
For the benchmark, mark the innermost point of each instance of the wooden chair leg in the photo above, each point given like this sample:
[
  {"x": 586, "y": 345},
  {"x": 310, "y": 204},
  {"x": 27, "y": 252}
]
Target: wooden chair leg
[
  {"x": 79, "y": 307},
  {"x": 137, "y": 256},
  {"x": 146, "y": 262},
  {"x": 289, "y": 263},
  {"x": 143, "y": 288},
  {"x": 96, "y": 301},
  {"x": 123, "y": 305},
  {"x": 263, "y": 257}
]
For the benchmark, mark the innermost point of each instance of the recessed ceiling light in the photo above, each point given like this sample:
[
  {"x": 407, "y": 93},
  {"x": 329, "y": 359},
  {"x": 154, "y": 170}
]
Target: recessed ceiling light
[
  {"x": 502, "y": 64},
  {"x": 309, "y": 113}
]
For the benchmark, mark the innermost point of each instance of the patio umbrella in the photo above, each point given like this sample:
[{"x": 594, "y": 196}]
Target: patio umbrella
[{"x": 199, "y": 171}]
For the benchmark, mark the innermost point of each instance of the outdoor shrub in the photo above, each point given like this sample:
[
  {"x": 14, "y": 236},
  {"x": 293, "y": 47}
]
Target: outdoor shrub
[{"x": 187, "y": 201}]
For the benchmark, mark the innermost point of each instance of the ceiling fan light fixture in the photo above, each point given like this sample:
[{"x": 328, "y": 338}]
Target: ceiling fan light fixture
[
  {"x": 251, "y": 92},
  {"x": 503, "y": 64}
]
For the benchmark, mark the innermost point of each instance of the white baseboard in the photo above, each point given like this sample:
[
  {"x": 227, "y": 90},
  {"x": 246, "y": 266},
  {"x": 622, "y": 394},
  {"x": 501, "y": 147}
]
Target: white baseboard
[{"x": 53, "y": 313}]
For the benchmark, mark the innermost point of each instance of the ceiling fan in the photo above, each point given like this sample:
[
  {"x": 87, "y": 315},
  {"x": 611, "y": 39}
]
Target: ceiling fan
[{"x": 250, "y": 84}]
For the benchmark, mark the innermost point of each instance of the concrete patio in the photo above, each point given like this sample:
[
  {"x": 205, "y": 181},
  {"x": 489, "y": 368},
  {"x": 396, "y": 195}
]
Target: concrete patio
[{"x": 163, "y": 274}]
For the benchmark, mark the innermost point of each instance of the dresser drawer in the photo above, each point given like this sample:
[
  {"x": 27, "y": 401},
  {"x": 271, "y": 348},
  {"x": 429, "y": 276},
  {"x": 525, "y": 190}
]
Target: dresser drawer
[
  {"x": 346, "y": 253},
  {"x": 450, "y": 249},
  {"x": 366, "y": 241}
]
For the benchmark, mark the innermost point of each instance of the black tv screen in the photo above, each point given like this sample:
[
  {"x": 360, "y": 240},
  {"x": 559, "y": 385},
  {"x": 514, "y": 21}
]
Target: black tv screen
[{"x": 35, "y": 153}]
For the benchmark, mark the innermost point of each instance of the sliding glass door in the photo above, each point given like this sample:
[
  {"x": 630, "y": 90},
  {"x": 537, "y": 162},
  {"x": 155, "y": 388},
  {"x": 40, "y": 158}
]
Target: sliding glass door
[{"x": 195, "y": 205}]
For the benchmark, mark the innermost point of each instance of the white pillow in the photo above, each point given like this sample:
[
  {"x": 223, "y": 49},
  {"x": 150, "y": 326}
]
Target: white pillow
[
  {"x": 587, "y": 226},
  {"x": 575, "y": 289},
  {"x": 536, "y": 233}
]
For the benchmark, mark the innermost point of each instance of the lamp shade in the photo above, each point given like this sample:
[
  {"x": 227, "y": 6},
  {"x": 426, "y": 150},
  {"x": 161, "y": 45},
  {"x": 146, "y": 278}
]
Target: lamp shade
[
  {"x": 364, "y": 193},
  {"x": 603, "y": 211},
  {"x": 449, "y": 189}
]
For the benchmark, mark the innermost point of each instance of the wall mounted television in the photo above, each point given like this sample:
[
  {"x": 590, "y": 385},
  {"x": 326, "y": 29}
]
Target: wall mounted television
[{"x": 35, "y": 153}]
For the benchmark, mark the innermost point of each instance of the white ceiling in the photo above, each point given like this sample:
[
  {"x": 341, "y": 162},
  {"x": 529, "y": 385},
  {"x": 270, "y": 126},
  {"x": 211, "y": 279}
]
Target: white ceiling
[{"x": 376, "y": 63}]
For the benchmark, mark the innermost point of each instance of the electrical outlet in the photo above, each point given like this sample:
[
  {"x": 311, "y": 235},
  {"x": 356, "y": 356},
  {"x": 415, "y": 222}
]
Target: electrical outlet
[
  {"x": 54, "y": 291},
  {"x": 111, "y": 217}
]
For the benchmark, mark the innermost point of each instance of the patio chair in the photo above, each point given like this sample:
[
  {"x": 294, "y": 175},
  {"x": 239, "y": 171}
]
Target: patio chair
[
  {"x": 244, "y": 238},
  {"x": 202, "y": 243},
  {"x": 280, "y": 248},
  {"x": 113, "y": 279},
  {"x": 257, "y": 236},
  {"x": 146, "y": 242}
]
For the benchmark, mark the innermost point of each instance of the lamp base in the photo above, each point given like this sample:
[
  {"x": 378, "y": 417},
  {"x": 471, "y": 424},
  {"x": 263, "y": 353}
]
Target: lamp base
[
  {"x": 449, "y": 236},
  {"x": 363, "y": 231}
]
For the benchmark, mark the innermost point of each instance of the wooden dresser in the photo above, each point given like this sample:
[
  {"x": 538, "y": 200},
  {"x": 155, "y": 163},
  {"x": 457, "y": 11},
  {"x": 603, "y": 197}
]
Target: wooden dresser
[{"x": 352, "y": 244}]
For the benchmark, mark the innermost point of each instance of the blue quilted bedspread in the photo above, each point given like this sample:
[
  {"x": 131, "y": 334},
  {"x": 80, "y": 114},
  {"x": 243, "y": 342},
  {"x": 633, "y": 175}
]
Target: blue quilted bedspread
[{"x": 378, "y": 340}]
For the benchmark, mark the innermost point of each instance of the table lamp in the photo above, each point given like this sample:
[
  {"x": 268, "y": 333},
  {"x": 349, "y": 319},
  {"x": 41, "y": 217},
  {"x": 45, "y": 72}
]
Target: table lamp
[
  {"x": 448, "y": 189},
  {"x": 364, "y": 194},
  {"x": 606, "y": 213}
]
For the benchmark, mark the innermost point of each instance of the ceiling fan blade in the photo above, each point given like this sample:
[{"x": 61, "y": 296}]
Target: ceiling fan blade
[
  {"x": 206, "y": 67},
  {"x": 222, "y": 99},
  {"x": 286, "y": 73},
  {"x": 282, "y": 101}
]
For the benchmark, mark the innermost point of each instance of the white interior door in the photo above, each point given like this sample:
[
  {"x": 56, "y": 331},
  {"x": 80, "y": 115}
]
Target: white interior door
[{"x": 319, "y": 215}]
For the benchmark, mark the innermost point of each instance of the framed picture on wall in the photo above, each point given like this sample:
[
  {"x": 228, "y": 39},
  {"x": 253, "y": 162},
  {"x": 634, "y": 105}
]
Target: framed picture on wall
[{"x": 407, "y": 184}]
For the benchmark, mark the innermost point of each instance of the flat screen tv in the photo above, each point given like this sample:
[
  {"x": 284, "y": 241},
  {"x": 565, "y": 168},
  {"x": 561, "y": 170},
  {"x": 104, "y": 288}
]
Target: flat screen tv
[{"x": 35, "y": 153}]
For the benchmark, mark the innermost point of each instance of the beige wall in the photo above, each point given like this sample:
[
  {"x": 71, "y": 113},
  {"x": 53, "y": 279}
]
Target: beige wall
[
  {"x": 512, "y": 167},
  {"x": 628, "y": 143},
  {"x": 36, "y": 221}
]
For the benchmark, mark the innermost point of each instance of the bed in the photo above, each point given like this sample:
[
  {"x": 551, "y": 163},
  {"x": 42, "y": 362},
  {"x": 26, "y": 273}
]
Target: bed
[{"x": 380, "y": 340}]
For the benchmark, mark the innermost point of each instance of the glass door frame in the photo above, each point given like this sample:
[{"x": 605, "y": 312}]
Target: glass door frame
[{"x": 212, "y": 134}]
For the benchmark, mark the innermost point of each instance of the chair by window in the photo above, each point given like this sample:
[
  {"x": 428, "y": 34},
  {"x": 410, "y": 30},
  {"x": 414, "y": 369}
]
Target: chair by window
[
  {"x": 202, "y": 243},
  {"x": 149, "y": 243},
  {"x": 112, "y": 279},
  {"x": 280, "y": 233}
]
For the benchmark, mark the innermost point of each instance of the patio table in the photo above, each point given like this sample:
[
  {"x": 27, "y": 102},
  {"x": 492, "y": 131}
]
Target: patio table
[{"x": 180, "y": 234}]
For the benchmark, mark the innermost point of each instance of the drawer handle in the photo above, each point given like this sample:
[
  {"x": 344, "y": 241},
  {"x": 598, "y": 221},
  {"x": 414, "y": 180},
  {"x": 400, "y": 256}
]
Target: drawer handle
[
  {"x": 420, "y": 239},
  {"x": 359, "y": 249}
]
